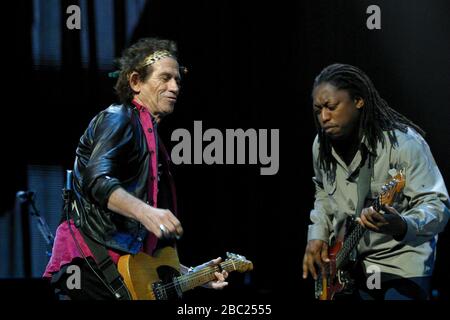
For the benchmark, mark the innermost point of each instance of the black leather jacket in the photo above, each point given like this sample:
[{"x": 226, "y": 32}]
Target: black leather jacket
[{"x": 112, "y": 153}]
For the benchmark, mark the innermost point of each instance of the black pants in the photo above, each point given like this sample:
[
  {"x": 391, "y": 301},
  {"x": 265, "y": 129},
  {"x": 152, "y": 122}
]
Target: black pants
[
  {"x": 91, "y": 287},
  {"x": 393, "y": 287},
  {"x": 417, "y": 288}
]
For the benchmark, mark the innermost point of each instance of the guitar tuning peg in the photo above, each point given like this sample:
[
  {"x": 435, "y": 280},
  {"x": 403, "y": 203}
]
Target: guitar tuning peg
[{"x": 233, "y": 256}]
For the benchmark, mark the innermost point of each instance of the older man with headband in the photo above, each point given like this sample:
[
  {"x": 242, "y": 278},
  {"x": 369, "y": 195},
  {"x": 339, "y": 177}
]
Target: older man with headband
[{"x": 124, "y": 197}]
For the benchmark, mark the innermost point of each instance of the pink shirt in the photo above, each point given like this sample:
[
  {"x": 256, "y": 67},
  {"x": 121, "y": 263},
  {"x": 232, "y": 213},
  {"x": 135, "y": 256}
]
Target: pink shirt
[{"x": 65, "y": 249}]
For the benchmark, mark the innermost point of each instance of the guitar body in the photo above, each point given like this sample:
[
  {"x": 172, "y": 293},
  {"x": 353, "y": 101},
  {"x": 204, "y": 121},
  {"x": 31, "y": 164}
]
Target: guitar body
[
  {"x": 335, "y": 280},
  {"x": 143, "y": 273},
  {"x": 335, "y": 277}
]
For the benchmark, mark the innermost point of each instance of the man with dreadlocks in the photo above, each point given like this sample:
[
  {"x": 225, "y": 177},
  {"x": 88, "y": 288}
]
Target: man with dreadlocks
[{"x": 358, "y": 132}]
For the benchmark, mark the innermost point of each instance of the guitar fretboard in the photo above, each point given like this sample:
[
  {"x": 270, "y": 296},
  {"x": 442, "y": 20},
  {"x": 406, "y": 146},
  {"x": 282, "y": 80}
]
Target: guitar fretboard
[
  {"x": 353, "y": 238},
  {"x": 204, "y": 275}
]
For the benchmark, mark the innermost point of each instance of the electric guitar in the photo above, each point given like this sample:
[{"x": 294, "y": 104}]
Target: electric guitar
[
  {"x": 337, "y": 278},
  {"x": 158, "y": 277}
]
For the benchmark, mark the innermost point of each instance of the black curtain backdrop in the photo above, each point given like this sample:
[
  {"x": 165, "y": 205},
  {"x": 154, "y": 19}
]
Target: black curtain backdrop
[{"x": 251, "y": 65}]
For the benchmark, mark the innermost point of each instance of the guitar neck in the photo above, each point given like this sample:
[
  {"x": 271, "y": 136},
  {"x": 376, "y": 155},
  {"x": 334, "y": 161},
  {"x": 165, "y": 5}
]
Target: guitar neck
[
  {"x": 349, "y": 244},
  {"x": 353, "y": 238},
  {"x": 194, "y": 279}
]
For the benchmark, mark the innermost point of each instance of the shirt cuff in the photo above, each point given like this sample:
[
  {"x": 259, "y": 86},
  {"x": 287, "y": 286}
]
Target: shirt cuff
[
  {"x": 411, "y": 231},
  {"x": 318, "y": 232}
]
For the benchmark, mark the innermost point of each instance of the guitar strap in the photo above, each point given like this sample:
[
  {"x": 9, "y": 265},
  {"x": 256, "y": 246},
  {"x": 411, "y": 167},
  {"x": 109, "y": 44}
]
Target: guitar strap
[
  {"x": 363, "y": 189},
  {"x": 111, "y": 276},
  {"x": 363, "y": 185},
  {"x": 109, "y": 270}
]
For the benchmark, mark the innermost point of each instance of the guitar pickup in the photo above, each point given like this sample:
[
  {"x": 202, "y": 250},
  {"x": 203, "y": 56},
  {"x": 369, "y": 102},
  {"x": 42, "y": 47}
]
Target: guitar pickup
[{"x": 159, "y": 291}]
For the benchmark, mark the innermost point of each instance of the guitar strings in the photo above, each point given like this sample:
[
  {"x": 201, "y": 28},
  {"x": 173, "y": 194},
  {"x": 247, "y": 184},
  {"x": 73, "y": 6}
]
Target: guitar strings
[
  {"x": 377, "y": 203},
  {"x": 193, "y": 277},
  {"x": 200, "y": 273}
]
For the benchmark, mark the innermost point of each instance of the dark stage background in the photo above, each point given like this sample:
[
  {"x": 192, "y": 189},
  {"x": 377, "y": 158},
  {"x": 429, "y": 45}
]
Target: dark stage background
[{"x": 251, "y": 65}]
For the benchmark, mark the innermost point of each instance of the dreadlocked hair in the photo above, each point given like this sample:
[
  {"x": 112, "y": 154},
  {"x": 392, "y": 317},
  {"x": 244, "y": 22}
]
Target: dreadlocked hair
[{"x": 376, "y": 115}]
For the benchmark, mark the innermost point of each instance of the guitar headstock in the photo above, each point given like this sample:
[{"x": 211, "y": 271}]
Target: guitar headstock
[
  {"x": 240, "y": 263},
  {"x": 394, "y": 186}
]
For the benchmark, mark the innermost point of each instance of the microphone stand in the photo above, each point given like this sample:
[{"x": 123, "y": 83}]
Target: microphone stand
[{"x": 42, "y": 226}]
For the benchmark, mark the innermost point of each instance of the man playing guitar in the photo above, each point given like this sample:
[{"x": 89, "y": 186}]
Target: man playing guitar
[{"x": 358, "y": 132}]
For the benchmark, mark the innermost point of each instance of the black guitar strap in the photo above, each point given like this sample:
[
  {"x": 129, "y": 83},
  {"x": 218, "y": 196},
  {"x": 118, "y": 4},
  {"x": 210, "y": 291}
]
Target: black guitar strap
[
  {"x": 363, "y": 189},
  {"x": 109, "y": 270},
  {"x": 111, "y": 276},
  {"x": 363, "y": 185}
]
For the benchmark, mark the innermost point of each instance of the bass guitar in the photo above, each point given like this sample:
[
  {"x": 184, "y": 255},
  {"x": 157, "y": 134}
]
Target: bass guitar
[{"x": 337, "y": 278}]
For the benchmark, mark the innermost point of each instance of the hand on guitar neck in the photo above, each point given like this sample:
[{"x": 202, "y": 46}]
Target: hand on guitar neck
[
  {"x": 219, "y": 282},
  {"x": 316, "y": 254},
  {"x": 388, "y": 222}
]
